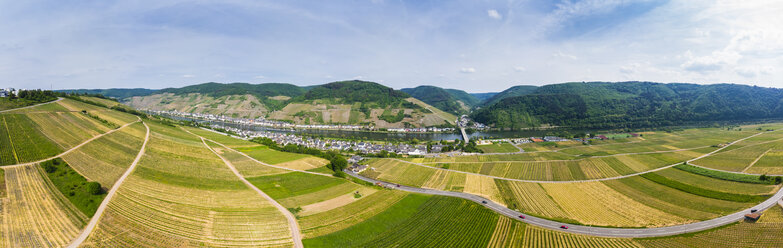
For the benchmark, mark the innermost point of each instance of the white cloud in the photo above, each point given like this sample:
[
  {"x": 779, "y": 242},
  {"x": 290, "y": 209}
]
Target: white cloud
[
  {"x": 494, "y": 14},
  {"x": 188, "y": 76},
  {"x": 259, "y": 77},
  {"x": 359, "y": 77},
  {"x": 752, "y": 72},
  {"x": 467, "y": 70},
  {"x": 520, "y": 69},
  {"x": 560, "y": 54}
]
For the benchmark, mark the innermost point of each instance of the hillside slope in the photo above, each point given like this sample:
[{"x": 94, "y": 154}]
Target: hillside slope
[
  {"x": 449, "y": 100},
  {"x": 632, "y": 104},
  {"x": 518, "y": 90}
]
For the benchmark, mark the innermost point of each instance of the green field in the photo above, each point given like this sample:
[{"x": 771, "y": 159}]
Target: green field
[
  {"x": 293, "y": 184},
  {"x": 85, "y": 195},
  {"x": 270, "y": 156},
  {"x": 20, "y": 141}
]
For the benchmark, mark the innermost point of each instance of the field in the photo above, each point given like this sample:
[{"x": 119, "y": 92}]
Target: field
[
  {"x": 744, "y": 155},
  {"x": 35, "y": 213},
  {"x": 499, "y": 147},
  {"x": 239, "y": 106},
  {"x": 293, "y": 184},
  {"x": 112, "y": 116},
  {"x": 105, "y": 159},
  {"x": 21, "y": 141},
  {"x": 246, "y": 166},
  {"x": 74, "y": 186},
  {"x": 771, "y": 164},
  {"x": 270, "y": 156},
  {"x": 220, "y": 138},
  {"x": 67, "y": 129},
  {"x": 764, "y": 233},
  {"x": 181, "y": 194}
]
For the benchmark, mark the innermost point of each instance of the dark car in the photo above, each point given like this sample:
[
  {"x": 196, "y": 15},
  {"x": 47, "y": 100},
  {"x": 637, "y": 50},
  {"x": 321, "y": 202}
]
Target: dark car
[
  {"x": 398, "y": 185},
  {"x": 753, "y": 210},
  {"x": 563, "y": 227},
  {"x": 521, "y": 216},
  {"x": 485, "y": 202}
]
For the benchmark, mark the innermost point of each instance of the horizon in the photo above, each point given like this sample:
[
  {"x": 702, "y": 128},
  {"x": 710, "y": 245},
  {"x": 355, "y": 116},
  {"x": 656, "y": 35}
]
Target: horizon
[{"x": 476, "y": 47}]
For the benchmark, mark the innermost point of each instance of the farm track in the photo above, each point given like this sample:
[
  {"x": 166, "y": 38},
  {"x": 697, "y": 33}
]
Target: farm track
[
  {"x": 73, "y": 148},
  {"x": 104, "y": 204},
  {"x": 589, "y": 180},
  {"x": 296, "y": 233},
  {"x": 31, "y": 106}
]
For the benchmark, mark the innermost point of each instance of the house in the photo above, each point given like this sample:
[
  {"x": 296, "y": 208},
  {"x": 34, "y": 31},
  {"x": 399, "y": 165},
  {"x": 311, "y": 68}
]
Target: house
[
  {"x": 437, "y": 148},
  {"x": 355, "y": 159},
  {"x": 3, "y": 93},
  {"x": 536, "y": 140},
  {"x": 634, "y": 134},
  {"x": 753, "y": 216},
  {"x": 358, "y": 168},
  {"x": 603, "y": 137},
  {"x": 417, "y": 152}
]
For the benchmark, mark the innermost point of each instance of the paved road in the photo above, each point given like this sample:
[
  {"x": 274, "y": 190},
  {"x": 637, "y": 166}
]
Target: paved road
[
  {"x": 31, "y": 106},
  {"x": 594, "y": 231},
  {"x": 296, "y": 234},
  {"x": 589, "y": 180},
  {"x": 98, "y": 213},
  {"x": 72, "y": 149}
]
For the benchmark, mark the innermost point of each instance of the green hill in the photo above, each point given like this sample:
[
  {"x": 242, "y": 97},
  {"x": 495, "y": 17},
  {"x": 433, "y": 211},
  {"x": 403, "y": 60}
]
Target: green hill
[
  {"x": 632, "y": 104},
  {"x": 355, "y": 91},
  {"x": 449, "y": 100},
  {"x": 513, "y": 91},
  {"x": 114, "y": 93}
]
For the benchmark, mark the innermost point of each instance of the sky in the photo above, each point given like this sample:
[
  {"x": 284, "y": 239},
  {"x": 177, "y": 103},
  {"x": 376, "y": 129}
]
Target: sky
[{"x": 476, "y": 46}]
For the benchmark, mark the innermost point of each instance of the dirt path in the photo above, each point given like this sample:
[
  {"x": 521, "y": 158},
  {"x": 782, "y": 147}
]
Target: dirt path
[
  {"x": 73, "y": 148},
  {"x": 99, "y": 212},
  {"x": 31, "y": 106},
  {"x": 296, "y": 234},
  {"x": 756, "y": 161}
]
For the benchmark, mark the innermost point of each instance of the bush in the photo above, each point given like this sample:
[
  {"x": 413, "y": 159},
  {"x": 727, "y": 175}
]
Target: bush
[{"x": 94, "y": 188}]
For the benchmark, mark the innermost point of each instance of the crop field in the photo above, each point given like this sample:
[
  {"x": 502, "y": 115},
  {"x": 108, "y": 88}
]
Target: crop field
[
  {"x": 67, "y": 129},
  {"x": 346, "y": 216},
  {"x": 220, "y": 138},
  {"x": 740, "y": 159},
  {"x": 105, "y": 159},
  {"x": 530, "y": 236},
  {"x": 771, "y": 164},
  {"x": 35, "y": 213},
  {"x": 715, "y": 184},
  {"x": 113, "y": 116},
  {"x": 500, "y": 147},
  {"x": 530, "y": 198},
  {"x": 181, "y": 194},
  {"x": 446, "y": 180},
  {"x": 764, "y": 233},
  {"x": 20, "y": 141},
  {"x": 106, "y": 102},
  {"x": 50, "y": 107},
  {"x": 270, "y": 156},
  {"x": 399, "y": 172},
  {"x": 246, "y": 166},
  {"x": 306, "y": 163},
  {"x": 482, "y": 186}
]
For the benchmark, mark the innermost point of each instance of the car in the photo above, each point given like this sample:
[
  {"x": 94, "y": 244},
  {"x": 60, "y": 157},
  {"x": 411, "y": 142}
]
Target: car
[
  {"x": 522, "y": 217},
  {"x": 398, "y": 185},
  {"x": 753, "y": 210},
  {"x": 563, "y": 227},
  {"x": 484, "y": 202}
]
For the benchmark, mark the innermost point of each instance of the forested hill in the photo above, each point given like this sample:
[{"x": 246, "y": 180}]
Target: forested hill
[
  {"x": 354, "y": 92},
  {"x": 114, "y": 93},
  {"x": 258, "y": 90},
  {"x": 632, "y": 104},
  {"x": 449, "y": 100},
  {"x": 518, "y": 90}
]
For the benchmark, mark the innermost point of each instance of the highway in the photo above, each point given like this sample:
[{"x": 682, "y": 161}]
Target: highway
[{"x": 588, "y": 230}]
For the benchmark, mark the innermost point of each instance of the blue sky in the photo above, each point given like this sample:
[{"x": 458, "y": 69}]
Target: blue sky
[{"x": 478, "y": 46}]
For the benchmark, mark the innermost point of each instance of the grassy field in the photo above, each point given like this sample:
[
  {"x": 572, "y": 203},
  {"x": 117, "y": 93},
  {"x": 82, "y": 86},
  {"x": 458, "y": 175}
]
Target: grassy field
[
  {"x": 293, "y": 184},
  {"x": 105, "y": 159},
  {"x": 67, "y": 129},
  {"x": 499, "y": 147},
  {"x": 220, "y": 138},
  {"x": 771, "y": 164},
  {"x": 269, "y": 156},
  {"x": 35, "y": 213},
  {"x": 246, "y": 166},
  {"x": 181, "y": 194},
  {"x": 85, "y": 195},
  {"x": 113, "y": 116}
]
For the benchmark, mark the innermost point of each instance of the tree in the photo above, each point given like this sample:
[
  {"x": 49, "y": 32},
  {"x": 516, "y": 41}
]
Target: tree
[
  {"x": 763, "y": 177},
  {"x": 778, "y": 180},
  {"x": 94, "y": 188}
]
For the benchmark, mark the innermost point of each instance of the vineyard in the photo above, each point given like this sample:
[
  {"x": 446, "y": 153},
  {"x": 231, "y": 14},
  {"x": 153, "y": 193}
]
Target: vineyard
[
  {"x": 220, "y": 138},
  {"x": 67, "y": 129},
  {"x": 501, "y": 147},
  {"x": 181, "y": 194},
  {"x": 20, "y": 141},
  {"x": 35, "y": 213},
  {"x": 270, "y": 156},
  {"x": 246, "y": 166},
  {"x": 106, "y": 158},
  {"x": 109, "y": 115}
]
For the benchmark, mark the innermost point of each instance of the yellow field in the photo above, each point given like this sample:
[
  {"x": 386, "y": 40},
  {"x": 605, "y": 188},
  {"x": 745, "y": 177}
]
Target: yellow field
[
  {"x": 112, "y": 116},
  {"x": 534, "y": 199},
  {"x": 35, "y": 213},
  {"x": 67, "y": 129},
  {"x": 304, "y": 163},
  {"x": 246, "y": 166},
  {"x": 181, "y": 194},
  {"x": 483, "y": 186},
  {"x": 594, "y": 203},
  {"x": 539, "y": 237}
]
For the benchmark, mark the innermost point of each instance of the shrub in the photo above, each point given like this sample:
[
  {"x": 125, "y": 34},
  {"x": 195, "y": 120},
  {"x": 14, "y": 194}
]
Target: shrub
[{"x": 94, "y": 188}]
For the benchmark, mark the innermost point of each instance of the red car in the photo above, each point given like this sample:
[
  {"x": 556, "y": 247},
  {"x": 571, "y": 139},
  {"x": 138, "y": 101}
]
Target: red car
[
  {"x": 564, "y": 227},
  {"x": 522, "y": 217}
]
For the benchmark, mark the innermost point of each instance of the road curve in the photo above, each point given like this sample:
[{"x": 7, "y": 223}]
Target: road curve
[
  {"x": 31, "y": 106},
  {"x": 588, "y": 230},
  {"x": 591, "y": 180},
  {"x": 99, "y": 212},
  {"x": 72, "y": 149},
  {"x": 296, "y": 234}
]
